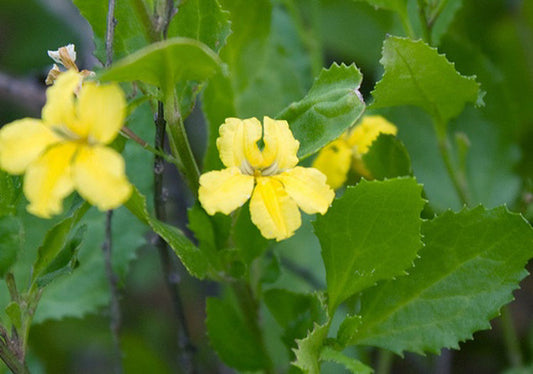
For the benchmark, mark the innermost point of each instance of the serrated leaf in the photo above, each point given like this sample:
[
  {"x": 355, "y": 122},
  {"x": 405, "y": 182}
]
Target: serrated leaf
[
  {"x": 387, "y": 157},
  {"x": 350, "y": 363},
  {"x": 232, "y": 338},
  {"x": 133, "y": 29},
  {"x": 416, "y": 74},
  {"x": 471, "y": 263},
  {"x": 331, "y": 106},
  {"x": 371, "y": 233},
  {"x": 192, "y": 258},
  {"x": 309, "y": 350},
  {"x": 162, "y": 64},
  {"x": 11, "y": 237},
  {"x": 202, "y": 20}
]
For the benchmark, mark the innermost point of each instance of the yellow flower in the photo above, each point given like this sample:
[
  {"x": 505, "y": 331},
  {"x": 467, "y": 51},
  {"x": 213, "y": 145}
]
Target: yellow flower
[
  {"x": 270, "y": 176},
  {"x": 335, "y": 159},
  {"x": 65, "y": 151}
]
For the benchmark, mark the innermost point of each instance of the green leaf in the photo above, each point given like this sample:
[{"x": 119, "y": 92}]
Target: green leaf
[
  {"x": 248, "y": 239},
  {"x": 331, "y": 106},
  {"x": 133, "y": 29},
  {"x": 66, "y": 261},
  {"x": 416, "y": 74},
  {"x": 192, "y": 258},
  {"x": 202, "y": 20},
  {"x": 8, "y": 194},
  {"x": 11, "y": 238},
  {"x": 164, "y": 63},
  {"x": 387, "y": 158},
  {"x": 444, "y": 19},
  {"x": 15, "y": 314},
  {"x": 399, "y": 6},
  {"x": 371, "y": 233},
  {"x": 471, "y": 263},
  {"x": 353, "y": 365},
  {"x": 232, "y": 338},
  {"x": 310, "y": 348},
  {"x": 55, "y": 241},
  {"x": 295, "y": 312},
  {"x": 348, "y": 329}
]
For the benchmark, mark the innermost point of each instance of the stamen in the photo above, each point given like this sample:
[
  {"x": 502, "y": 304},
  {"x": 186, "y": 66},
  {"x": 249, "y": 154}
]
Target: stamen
[{"x": 271, "y": 170}]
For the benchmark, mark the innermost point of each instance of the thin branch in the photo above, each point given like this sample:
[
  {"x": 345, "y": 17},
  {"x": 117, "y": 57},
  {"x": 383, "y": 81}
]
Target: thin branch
[
  {"x": 171, "y": 276},
  {"x": 110, "y": 32},
  {"x": 24, "y": 93},
  {"x": 114, "y": 306}
]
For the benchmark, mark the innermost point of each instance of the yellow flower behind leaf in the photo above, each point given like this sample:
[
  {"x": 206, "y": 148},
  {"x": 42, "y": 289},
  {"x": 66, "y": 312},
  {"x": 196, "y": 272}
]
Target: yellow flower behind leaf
[
  {"x": 66, "y": 150},
  {"x": 335, "y": 159},
  {"x": 269, "y": 176}
]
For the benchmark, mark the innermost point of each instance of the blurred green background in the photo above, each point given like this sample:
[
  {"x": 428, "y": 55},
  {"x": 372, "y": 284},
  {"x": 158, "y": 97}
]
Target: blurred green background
[{"x": 492, "y": 39}]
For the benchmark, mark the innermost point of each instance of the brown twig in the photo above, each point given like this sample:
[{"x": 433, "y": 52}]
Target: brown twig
[
  {"x": 171, "y": 276},
  {"x": 26, "y": 94}
]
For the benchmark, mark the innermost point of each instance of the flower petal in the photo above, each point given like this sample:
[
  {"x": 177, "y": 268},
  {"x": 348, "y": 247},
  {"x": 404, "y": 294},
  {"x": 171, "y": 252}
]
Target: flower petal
[
  {"x": 48, "y": 180},
  {"x": 59, "y": 108},
  {"x": 237, "y": 143},
  {"x": 273, "y": 211},
  {"x": 100, "y": 177},
  {"x": 224, "y": 190},
  {"x": 308, "y": 188},
  {"x": 362, "y": 136},
  {"x": 101, "y": 109},
  {"x": 334, "y": 161},
  {"x": 21, "y": 142},
  {"x": 280, "y": 145}
]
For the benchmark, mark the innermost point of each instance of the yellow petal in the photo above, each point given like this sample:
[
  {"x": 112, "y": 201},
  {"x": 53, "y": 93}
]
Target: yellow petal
[
  {"x": 308, "y": 188},
  {"x": 368, "y": 130},
  {"x": 101, "y": 109},
  {"x": 100, "y": 177},
  {"x": 224, "y": 190},
  {"x": 273, "y": 211},
  {"x": 237, "y": 143},
  {"x": 21, "y": 142},
  {"x": 59, "y": 108},
  {"x": 334, "y": 161},
  {"x": 280, "y": 145},
  {"x": 48, "y": 180}
]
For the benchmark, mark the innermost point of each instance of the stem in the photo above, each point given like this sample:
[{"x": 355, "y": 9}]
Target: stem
[
  {"x": 250, "y": 308},
  {"x": 110, "y": 31},
  {"x": 514, "y": 354},
  {"x": 114, "y": 305},
  {"x": 458, "y": 179},
  {"x": 11, "y": 360},
  {"x": 312, "y": 37},
  {"x": 406, "y": 24},
  {"x": 426, "y": 31},
  {"x": 129, "y": 134},
  {"x": 179, "y": 143},
  {"x": 385, "y": 360},
  {"x": 171, "y": 276}
]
